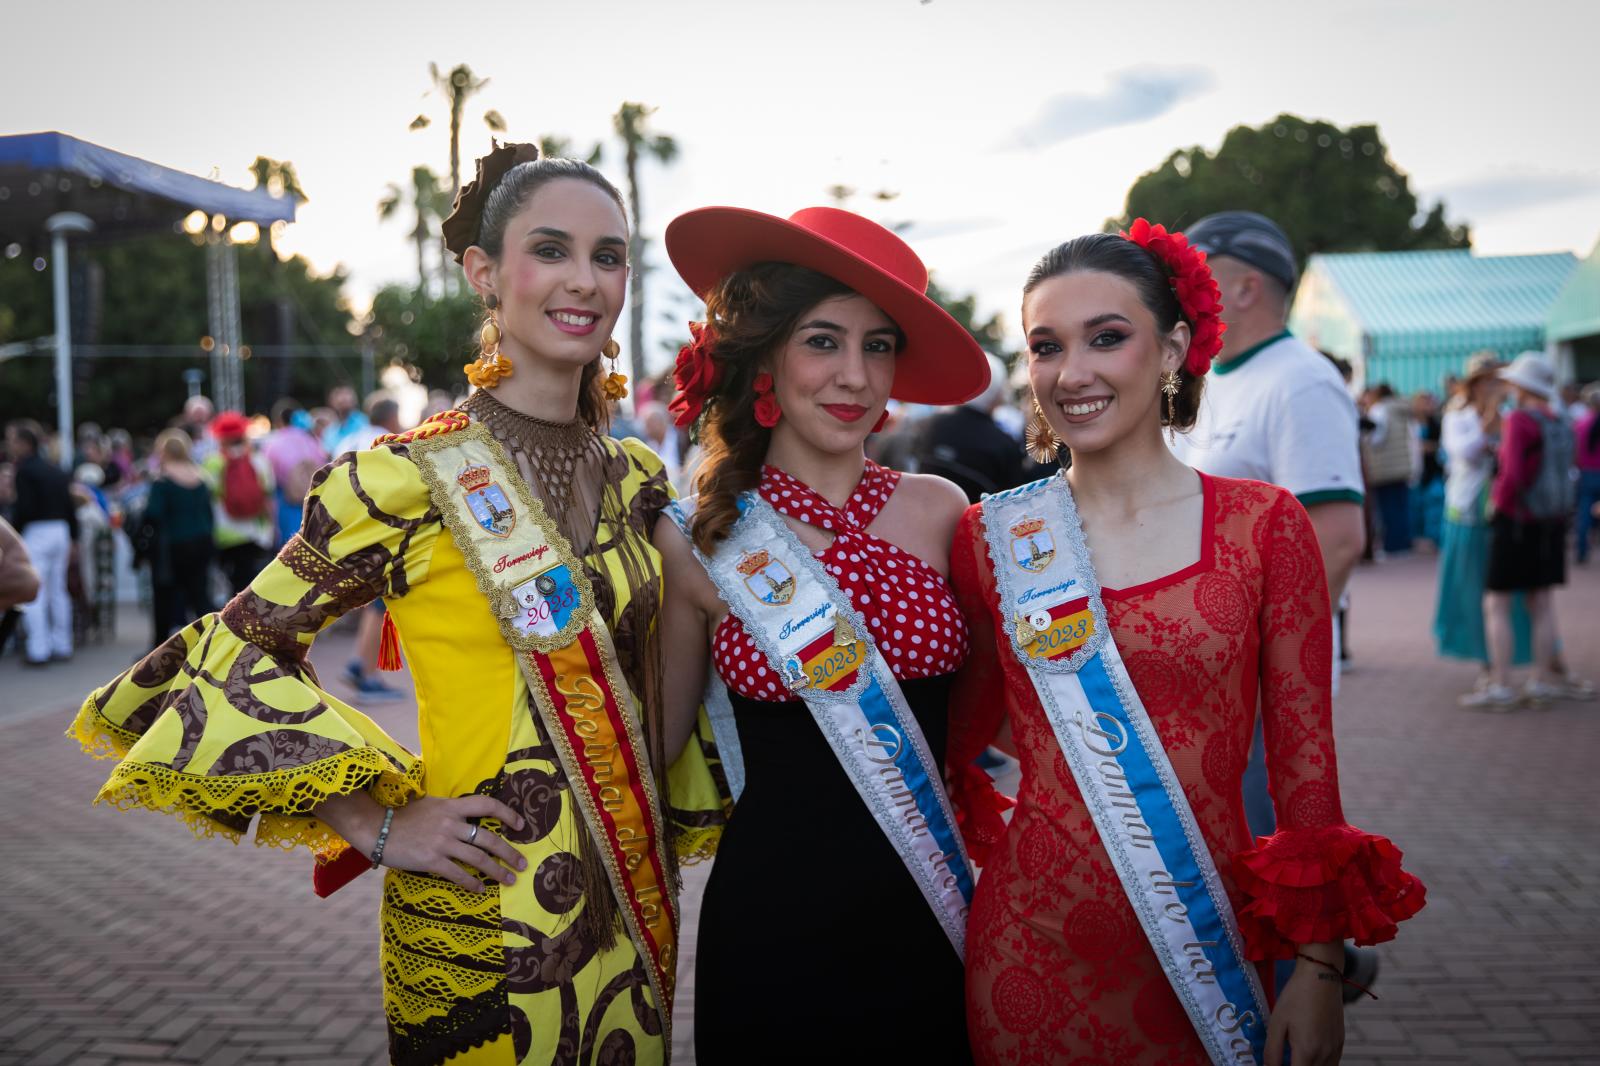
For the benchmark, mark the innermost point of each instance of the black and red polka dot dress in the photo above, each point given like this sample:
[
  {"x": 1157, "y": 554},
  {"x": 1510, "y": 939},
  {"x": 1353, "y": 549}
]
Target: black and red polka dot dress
[
  {"x": 806, "y": 897},
  {"x": 910, "y": 611}
]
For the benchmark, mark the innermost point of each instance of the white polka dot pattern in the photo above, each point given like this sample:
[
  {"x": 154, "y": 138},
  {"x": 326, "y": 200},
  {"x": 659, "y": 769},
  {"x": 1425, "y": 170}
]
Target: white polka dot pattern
[{"x": 908, "y": 607}]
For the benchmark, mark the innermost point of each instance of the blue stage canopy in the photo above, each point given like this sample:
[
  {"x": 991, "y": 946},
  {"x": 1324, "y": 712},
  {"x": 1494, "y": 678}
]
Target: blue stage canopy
[{"x": 42, "y": 174}]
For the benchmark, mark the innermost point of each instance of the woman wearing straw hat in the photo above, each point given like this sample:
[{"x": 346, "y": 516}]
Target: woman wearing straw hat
[
  {"x": 1469, "y": 435},
  {"x": 1532, "y": 498},
  {"x": 814, "y": 582}
]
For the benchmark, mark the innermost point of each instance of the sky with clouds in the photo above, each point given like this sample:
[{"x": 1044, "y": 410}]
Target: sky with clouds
[{"x": 1004, "y": 126}]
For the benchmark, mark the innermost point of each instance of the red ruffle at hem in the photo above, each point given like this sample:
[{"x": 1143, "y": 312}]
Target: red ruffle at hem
[
  {"x": 980, "y": 809},
  {"x": 1310, "y": 886}
]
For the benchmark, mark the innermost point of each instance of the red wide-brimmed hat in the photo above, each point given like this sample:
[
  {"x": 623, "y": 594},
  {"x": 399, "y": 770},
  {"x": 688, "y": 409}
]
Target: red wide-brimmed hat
[{"x": 940, "y": 363}]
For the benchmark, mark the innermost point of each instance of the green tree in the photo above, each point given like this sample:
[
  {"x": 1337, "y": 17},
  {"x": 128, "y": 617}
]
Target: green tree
[
  {"x": 151, "y": 292},
  {"x": 430, "y": 204},
  {"x": 631, "y": 123},
  {"x": 434, "y": 335},
  {"x": 1331, "y": 189},
  {"x": 278, "y": 177},
  {"x": 990, "y": 333}
]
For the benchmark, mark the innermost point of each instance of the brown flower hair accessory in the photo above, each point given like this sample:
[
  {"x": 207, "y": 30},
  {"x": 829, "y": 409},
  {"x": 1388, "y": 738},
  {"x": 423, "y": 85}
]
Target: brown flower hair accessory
[{"x": 461, "y": 228}]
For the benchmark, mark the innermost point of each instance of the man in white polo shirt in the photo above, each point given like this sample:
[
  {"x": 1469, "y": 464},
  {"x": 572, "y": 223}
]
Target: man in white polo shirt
[{"x": 1276, "y": 410}]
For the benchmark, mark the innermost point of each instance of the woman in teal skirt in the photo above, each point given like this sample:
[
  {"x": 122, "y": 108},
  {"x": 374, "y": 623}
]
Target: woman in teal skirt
[{"x": 1469, "y": 436}]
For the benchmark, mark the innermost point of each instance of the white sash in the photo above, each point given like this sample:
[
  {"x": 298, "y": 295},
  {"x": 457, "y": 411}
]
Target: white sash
[
  {"x": 1056, "y": 624},
  {"x": 801, "y": 621}
]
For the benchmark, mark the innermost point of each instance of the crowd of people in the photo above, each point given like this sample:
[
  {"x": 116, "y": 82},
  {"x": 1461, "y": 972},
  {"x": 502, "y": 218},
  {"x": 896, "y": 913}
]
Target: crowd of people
[
  {"x": 807, "y": 589},
  {"x": 201, "y": 506}
]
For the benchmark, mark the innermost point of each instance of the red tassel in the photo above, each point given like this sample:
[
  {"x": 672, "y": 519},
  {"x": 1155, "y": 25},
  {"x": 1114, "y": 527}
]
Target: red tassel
[
  {"x": 389, "y": 645},
  {"x": 329, "y": 877}
]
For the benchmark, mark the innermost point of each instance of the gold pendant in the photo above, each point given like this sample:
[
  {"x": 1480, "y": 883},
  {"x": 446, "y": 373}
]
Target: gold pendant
[
  {"x": 1026, "y": 634},
  {"x": 844, "y": 634}
]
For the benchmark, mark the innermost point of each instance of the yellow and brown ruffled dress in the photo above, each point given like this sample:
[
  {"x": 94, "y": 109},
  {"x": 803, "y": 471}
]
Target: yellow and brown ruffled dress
[{"x": 227, "y": 722}]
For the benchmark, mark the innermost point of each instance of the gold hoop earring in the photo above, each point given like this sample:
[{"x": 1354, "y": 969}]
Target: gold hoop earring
[
  {"x": 491, "y": 365},
  {"x": 1169, "y": 388},
  {"x": 1039, "y": 439},
  {"x": 616, "y": 384}
]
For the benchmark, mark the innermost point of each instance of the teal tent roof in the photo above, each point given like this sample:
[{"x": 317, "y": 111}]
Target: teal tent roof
[
  {"x": 1576, "y": 312},
  {"x": 1414, "y": 296}
]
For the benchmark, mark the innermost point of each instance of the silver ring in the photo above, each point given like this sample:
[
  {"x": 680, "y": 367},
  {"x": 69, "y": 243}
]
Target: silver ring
[{"x": 472, "y": 835}]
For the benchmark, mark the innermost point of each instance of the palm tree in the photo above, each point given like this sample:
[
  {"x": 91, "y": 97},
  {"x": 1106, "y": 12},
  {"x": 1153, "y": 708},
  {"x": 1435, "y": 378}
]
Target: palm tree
[
  {"x": 458, "y": 86},
  {"x": 630, "y": 124},
  {"x": 278, "y": 177},
  {"x": 429, "y": 202}
]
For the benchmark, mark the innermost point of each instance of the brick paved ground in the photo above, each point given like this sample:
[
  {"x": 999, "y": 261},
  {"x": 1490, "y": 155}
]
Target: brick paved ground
[{"x": 123, "y": 940}]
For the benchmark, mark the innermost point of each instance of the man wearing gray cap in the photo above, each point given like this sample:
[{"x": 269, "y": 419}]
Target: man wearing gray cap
[{"x": 1276, "y": 410}]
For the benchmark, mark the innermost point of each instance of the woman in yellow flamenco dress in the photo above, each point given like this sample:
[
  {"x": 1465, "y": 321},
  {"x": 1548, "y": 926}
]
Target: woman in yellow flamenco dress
[{"x": 529, "y": 906}]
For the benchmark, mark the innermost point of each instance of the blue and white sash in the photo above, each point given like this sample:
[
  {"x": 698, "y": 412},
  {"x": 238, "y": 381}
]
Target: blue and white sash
[
  {"x": 801, "y": 621},
  {"x": 1056, "y": 623}
]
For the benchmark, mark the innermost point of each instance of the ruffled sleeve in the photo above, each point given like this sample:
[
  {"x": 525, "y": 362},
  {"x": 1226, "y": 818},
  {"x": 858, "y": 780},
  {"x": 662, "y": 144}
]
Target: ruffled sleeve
[
  {"x": 702, "y": 802},
  {"x": 976, "y": 715},
  {"x": 1317, "y": 878},
  {"x": 227, "y": 720},
  {"x": 1308, "y": 886}
]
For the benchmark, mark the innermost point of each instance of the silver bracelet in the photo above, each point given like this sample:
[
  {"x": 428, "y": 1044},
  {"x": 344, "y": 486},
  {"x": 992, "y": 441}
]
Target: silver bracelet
[{"x": 383, "y": 838}]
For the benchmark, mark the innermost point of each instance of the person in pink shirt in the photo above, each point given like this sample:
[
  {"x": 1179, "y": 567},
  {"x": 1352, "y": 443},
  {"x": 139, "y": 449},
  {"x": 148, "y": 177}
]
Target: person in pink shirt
[
  {"x": 1587, "y": 432},
  {"x": 1531, "y": 497},
  {"x": 295, "y": 456}
]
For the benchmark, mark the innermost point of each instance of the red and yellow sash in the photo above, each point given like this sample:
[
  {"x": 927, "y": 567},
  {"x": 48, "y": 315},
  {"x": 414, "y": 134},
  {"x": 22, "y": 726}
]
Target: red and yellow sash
[{"x": 543, "y": 601}]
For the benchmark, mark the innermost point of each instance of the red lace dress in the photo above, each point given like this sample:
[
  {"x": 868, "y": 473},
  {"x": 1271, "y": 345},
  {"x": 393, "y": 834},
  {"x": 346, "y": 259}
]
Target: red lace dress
[{"x": 1058, "y": 968}]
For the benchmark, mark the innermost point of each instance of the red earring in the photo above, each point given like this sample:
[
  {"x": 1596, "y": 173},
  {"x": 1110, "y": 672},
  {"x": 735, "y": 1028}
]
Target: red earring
[
  {"x": 767, "y": 410},
  {"x": 878, "y": 425}
]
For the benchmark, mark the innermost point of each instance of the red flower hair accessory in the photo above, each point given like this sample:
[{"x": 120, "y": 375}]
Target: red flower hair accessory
[
  {"x": 694, "y": 376},
  {"x": 1192, "y": 283}
]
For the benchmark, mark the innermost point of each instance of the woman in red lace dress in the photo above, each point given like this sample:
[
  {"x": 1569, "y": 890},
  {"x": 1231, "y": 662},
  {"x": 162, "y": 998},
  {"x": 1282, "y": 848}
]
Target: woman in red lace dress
[{"x": 1215, "y": 596}]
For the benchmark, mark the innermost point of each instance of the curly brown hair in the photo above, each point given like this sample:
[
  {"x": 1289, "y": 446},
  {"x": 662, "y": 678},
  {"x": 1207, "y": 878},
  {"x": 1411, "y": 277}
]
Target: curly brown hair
[{"x": 751, "y": 314}]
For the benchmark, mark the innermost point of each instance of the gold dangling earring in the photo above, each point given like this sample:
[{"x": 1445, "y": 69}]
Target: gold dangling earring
[
  {"x": 1169, "y": 388},
  {"x": 492, "y": 364},
  {"x": 1039, "y": 439},
  {"x": 616, "y": 385}
]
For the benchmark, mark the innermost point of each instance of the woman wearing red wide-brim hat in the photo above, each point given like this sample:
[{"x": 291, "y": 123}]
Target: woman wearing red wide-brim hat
[{"x": 835, "y": 916}]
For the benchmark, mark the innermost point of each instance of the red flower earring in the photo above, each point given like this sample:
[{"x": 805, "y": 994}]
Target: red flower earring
[
  {"x": 767, "y": 410},
  {"x": 877, "y": 427}
]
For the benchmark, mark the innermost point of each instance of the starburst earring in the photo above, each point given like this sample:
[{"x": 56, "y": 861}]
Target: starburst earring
[
  {"x": 1169, "y": 389},
  {"x": 1039, "y": 439}
]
